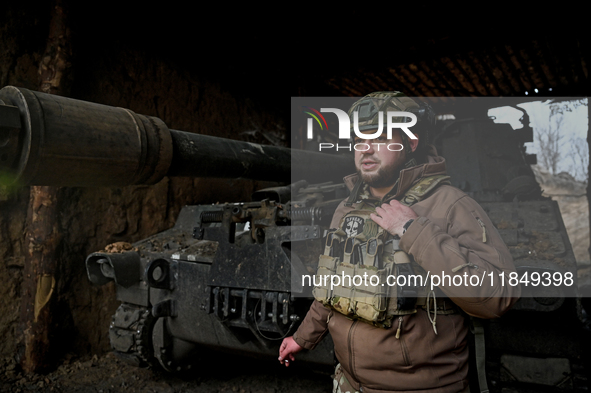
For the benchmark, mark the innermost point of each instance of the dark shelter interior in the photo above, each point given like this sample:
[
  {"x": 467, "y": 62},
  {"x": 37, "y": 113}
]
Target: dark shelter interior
[{"x": 228, "y": 78}]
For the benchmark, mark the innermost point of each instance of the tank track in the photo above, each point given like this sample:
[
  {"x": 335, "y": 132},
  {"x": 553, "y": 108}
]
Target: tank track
[{"x": 130, "y": 334}]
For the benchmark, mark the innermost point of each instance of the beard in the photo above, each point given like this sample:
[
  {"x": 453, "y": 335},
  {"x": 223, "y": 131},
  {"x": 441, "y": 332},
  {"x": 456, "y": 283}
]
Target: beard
[{"x": 383, "y": 177}]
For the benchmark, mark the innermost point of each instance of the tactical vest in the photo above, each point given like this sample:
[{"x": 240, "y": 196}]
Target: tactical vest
[{"x": 367, "y": 262}]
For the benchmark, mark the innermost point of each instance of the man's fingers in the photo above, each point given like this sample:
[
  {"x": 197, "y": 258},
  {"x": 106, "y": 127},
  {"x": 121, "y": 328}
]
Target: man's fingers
[
  {"x": 385, "y": 210},
  {"x": 287, "y": 350},
  {"x": 377, "y": 219},
  {"x": 380, "y": 212},
  {"x": 390, "y": 207}
]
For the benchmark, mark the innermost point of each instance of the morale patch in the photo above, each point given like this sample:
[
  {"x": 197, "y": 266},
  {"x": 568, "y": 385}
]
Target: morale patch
[{"x": 353, "y": 226}]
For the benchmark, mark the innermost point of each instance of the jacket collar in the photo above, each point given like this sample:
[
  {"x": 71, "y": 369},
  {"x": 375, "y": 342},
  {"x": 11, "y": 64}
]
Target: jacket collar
[{"x": 409, "y": 176}]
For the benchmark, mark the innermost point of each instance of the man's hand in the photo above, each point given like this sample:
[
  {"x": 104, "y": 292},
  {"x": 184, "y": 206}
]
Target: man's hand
[
  {"x": 392, "y": 216},
  {"x": 288, "y": 348}
]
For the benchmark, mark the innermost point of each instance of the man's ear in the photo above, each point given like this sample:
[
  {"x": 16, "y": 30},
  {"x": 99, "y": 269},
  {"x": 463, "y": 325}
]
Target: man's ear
[{"x": 413, "y": 143}]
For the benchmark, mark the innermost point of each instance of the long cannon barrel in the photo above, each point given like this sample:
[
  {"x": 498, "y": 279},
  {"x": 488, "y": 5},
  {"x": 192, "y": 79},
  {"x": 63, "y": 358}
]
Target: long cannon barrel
[{"x": 51, "y": 140}]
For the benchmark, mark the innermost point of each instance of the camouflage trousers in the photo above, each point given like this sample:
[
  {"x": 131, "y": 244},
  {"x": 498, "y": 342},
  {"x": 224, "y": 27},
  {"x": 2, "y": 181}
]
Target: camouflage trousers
[{"x": 341, "y": 384}]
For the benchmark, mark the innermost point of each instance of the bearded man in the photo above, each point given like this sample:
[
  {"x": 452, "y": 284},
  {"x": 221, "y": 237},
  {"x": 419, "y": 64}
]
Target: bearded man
[{"x": 402, "y": 185}]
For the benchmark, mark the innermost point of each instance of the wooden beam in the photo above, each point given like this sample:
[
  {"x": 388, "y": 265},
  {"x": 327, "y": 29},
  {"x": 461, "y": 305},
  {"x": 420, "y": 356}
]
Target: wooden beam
[{"x": 38, "y": 299}]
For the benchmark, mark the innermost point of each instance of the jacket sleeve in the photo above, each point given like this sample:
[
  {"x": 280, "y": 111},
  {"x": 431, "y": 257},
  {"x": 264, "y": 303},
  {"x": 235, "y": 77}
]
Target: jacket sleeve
[
  {"x": 314, "y": 326},
  {"x": 469, "y": 246}
]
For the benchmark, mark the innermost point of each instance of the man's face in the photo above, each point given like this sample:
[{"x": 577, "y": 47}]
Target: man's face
[{"x": 379, "y": 165}]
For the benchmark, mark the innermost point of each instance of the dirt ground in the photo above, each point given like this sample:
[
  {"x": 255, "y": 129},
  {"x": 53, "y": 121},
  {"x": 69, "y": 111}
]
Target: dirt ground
[{"x": 216, "y": 373}]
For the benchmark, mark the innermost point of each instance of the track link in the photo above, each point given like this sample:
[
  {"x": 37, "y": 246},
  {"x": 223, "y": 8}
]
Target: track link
[{"x": 130, "y": 334}]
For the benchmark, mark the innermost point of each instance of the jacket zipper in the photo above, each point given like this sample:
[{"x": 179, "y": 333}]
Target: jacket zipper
[
  {"x": 404, "y": 352},
  {"x": 469, "y": 264},
  {"x": 350, "y": 344},
  {"x": 483, "y": 229},
  {"x": 402, "y": 343}
]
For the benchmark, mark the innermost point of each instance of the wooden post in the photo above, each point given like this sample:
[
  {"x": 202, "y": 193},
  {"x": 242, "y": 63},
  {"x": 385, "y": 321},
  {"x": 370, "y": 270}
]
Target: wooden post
[{"x": 43, "y": 233}]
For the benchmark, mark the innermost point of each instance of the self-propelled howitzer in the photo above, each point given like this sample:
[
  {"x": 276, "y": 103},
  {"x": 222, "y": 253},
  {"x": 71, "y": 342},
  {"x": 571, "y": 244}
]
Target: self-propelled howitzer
[{"x": 222, "y": 276}]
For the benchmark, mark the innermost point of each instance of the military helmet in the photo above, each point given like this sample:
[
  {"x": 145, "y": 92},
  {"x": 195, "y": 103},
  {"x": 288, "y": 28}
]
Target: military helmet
[{"x": 369, "y": 107}]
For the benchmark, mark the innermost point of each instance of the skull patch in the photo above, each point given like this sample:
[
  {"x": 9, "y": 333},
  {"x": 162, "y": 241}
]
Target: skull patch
[{"x": 353, "y": 226}]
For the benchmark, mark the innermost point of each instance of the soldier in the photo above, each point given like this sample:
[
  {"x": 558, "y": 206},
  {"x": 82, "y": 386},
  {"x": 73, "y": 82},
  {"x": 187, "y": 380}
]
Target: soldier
[{"x": 418, "y": 342}]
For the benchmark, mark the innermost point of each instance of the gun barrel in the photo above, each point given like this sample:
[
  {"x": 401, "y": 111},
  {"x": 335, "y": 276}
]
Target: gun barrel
[{"x": 51, "y": 140}]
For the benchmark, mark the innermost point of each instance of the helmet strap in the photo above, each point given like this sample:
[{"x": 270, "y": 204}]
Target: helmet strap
[
  {"x": 410, "y": 162},
  {"x": 354, "y": 192}
]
